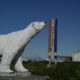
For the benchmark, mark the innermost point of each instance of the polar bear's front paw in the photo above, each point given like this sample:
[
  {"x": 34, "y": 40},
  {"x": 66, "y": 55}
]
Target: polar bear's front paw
[
  {"x": 6, "y": 71},
  {"x": 21, "y": 70},
  {"x": 25, "y": 70}
]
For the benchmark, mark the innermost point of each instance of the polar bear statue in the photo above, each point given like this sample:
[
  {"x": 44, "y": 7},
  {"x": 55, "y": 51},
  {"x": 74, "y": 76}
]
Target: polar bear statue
[{"x": 12, "y": 46}]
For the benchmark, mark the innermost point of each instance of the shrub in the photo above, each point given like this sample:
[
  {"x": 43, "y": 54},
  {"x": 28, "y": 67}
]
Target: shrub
[{"x": 61, "y": 71}]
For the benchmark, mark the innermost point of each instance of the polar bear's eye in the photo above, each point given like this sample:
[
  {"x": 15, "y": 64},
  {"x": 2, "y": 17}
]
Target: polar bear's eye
[{"x": 32, "y": 25}]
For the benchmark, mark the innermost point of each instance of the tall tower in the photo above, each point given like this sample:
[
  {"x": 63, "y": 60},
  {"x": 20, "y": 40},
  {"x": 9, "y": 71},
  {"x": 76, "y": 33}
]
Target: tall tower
[{"x": 52, "y": 42}]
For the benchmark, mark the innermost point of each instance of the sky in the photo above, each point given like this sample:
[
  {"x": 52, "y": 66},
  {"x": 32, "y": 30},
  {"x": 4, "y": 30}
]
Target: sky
[{"x": 16, "y": 15}]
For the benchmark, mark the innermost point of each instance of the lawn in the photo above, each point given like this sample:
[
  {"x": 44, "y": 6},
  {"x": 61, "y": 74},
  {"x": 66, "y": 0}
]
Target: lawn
[{"x": 61, "y": 71}]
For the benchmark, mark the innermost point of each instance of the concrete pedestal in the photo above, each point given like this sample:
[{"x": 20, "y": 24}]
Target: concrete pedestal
[{"x": 22, "y": 76}]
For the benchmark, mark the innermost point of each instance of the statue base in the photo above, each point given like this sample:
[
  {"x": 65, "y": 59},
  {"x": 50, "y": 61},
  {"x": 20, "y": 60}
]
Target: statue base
[
  {"x": 14, "y": 74},
  {"x": 22, "y": 76}
]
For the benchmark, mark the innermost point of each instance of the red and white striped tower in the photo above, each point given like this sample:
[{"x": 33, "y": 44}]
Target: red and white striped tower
[{"x": 52, "y": 42}]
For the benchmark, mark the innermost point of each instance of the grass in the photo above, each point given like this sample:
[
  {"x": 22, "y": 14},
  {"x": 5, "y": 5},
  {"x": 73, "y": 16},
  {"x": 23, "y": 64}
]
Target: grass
[{"x": 61, "y": 71}]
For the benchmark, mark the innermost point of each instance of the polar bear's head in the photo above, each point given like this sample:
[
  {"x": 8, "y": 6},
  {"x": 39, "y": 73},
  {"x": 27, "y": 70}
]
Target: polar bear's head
[{"x": 38, "y": 25}]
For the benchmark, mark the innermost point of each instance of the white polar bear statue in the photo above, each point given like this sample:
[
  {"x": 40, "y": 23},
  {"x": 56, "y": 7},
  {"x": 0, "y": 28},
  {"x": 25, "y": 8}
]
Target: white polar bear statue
[{"x": 12, "y": 46}]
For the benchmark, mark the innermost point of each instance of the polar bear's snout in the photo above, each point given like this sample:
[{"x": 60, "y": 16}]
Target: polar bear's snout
[{"x": 42, "y": 25}]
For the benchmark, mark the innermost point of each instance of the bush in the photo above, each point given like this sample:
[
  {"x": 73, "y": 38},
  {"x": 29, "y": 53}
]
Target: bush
[{"x": 61, "y": 71}]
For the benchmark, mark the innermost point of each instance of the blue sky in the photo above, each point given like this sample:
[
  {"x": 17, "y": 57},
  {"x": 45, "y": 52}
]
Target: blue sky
[{"x": 17, "y": 14}]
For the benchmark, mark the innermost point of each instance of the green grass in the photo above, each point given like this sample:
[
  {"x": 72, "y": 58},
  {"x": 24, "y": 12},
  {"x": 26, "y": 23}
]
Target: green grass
[{"x": 61, "y": 71}]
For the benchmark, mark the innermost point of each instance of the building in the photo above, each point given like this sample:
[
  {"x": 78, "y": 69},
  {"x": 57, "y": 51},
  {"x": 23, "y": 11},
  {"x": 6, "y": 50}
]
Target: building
[
  {"x": 63, "y": 58},
  {"x": 76, "y": 56}
]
